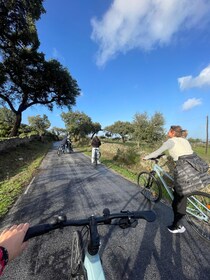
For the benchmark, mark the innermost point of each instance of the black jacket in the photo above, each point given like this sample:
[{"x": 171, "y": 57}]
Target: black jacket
[
  {"x": 96, "y": 143},
  {"x": 190, "y": 174}
]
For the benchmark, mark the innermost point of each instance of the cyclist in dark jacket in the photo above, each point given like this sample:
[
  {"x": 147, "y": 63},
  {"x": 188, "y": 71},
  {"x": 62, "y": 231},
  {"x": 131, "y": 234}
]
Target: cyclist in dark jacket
[{"x": 95, "y": 143}]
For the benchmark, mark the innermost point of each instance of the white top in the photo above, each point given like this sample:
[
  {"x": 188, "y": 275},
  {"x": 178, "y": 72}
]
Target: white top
[{"x": 176, "y": 146}]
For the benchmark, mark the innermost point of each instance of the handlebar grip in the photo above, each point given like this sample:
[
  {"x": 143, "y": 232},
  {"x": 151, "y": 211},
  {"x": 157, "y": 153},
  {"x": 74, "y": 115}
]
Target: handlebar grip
[
  {"x": 149, "y": 216},
  {"x": 37, "y": 230}
]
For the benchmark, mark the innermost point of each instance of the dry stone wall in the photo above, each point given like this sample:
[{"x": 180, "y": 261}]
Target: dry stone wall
[{"x": 13, "y": 142}]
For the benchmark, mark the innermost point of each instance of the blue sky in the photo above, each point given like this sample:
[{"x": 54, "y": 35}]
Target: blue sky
[{"x": 132, "y": 57}]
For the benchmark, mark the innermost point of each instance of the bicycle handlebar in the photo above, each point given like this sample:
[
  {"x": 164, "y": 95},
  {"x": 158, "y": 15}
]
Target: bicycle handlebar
[
  {"x": 157, "y": 158},
  {"x": 62, "y": 222}
]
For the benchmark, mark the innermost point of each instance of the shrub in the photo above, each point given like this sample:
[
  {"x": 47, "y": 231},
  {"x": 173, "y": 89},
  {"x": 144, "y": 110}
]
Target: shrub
[{"x": 127, "y": 156}]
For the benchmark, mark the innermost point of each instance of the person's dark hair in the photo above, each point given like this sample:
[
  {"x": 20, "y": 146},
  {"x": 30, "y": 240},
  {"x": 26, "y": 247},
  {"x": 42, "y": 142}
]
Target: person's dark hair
[
  {"x": 177, "y": 129},
  {"x": 184, "y": 133}
]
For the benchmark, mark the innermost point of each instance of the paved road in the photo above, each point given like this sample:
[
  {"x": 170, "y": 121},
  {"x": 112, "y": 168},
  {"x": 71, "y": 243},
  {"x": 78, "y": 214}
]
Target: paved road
[{"x": 71, "y": 185}]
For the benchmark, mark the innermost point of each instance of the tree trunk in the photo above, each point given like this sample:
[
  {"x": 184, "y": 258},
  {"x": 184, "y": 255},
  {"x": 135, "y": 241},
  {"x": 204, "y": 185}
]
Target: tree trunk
[{"x": 16, "y": 125}]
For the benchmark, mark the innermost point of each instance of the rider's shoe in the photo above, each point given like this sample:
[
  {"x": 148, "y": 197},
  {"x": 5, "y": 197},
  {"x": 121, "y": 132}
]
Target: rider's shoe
[{"x": 176, "y": 229}]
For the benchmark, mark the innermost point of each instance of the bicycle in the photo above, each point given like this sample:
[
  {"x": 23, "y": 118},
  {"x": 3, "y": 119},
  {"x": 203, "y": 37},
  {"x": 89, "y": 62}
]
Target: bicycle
[
  {"x": 61, "y": 150},
  {"x": 85, "y": 260},
  {"x": 198, "y": 203},
  {"x": 96, "y": 156}
]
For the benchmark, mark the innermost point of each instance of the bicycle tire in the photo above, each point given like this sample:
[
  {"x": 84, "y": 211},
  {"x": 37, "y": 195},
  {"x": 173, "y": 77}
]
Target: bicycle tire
[
  {"x": 59, "y": 151},
  {"x": 198, "y": 213},
  {"x": 151, "y": 187},
  {"x": 77, "y": 257}
]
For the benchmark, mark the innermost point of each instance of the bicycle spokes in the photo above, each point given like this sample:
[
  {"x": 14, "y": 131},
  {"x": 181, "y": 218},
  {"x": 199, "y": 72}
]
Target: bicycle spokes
[{"x": 198, "y": 213}]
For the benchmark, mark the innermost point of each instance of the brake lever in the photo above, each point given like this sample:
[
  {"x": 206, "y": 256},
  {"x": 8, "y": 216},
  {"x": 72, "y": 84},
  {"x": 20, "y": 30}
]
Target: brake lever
[
  {"x": 127, "y": 222},
  {"x": 59, "y": 219}
]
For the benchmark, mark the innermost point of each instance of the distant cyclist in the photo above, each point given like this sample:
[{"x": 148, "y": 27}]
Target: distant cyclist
[
  {"x": 95, "y": 143},
  {"x": 69, "y": 143}
]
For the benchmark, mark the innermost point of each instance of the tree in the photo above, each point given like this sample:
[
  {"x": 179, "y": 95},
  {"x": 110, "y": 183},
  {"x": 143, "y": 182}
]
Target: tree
[
  {"x": 148, "y": 130},
  {"x": 79, "y": 124},
  {"x": 26, "y": 78},
  {"x": 96, "y": 127},
  {"x": 7, "y": 117},
  {"x": 156, "y": 131},
  {"x": 40, "y": 124},
  {"x": 122, "y": 128},
  {"x": 58, "y": 131},
  {"x": 17, "y": 25}
]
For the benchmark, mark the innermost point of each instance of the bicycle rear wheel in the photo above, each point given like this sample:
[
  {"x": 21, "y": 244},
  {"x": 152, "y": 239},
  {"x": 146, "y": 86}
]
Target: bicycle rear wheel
[
  {"x": 151, "y": 188},
  {"x": 198, "y": 213},
  {"x": 77, "y": 270}
]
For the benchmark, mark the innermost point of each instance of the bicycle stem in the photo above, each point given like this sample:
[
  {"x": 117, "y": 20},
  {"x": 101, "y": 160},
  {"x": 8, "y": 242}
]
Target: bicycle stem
[{"x": 94, "y": 242}]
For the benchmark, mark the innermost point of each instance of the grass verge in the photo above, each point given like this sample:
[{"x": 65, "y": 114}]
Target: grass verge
[{"x": 17, "y": 167}]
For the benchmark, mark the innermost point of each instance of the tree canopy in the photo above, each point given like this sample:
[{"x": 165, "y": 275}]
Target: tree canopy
[
  {"x": 79, "y": 125},
  {"x": 26, "y": 78},
  {"x": 40, "y": 124},
  {"x": 148, "y": 130},
  {"x": 124, "y": 129}
]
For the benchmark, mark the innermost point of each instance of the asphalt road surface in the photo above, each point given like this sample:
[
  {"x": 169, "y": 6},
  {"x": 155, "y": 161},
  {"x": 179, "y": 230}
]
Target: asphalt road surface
[{"x": 70, "y": 184}]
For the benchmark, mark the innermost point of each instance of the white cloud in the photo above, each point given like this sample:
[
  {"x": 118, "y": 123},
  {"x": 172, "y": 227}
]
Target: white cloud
[
  {"x": 203, "y": 79},
  {"x": 190, "y": 103},
  {"x": 144, "y": 24}
]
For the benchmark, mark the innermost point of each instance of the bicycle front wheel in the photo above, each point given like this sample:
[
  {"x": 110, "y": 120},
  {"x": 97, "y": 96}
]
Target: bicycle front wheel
[
  {"x": 77, "y": 257},
  {"x": 198, "y": 213},
  {"x": 151, "y": 188}
]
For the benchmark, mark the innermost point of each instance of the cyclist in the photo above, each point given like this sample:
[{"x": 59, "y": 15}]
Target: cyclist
[
  {"x": 184, "y": 173},
  {"x": 69, "y": 143},
  {"x": 11, "y": 243},
  {"x": 95, "y": 143}
]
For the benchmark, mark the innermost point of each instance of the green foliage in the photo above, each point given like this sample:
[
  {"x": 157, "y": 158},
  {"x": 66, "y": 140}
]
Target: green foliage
[
  {"x": 26, "y": 78},
  {"x": 7, "y": 117},
  {"x": 17, "y": 24},
  {"x": 58, "y": 131},
  {"x": 79, "y": 125},
  {"x": 148, "y": 130},
  {"x": 127, "y": 156},
  {"x": 15, "y": 174},
  {"x": 96, "y": 127},
  {"x": 40, "y": 124},
  {"x": 124, "y": 129}
]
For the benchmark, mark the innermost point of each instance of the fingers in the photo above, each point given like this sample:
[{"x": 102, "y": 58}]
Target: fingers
[
  {"x": 16, "y": 228},
  {"x": 23, "y": 227},
  {"x": 12, "y": 228}
]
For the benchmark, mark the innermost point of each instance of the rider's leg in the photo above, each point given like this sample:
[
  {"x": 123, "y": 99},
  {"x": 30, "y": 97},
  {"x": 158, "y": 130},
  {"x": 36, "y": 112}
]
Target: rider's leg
[
  {"x": 92, "y": 156},
  {"x": 179, "y": 205}
]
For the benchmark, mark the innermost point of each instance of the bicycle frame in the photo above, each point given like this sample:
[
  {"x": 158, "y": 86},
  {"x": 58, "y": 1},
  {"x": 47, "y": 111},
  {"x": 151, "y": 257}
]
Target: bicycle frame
[
  {"x": 94, "y": 267},
  {"x": 160, "y": 172}
]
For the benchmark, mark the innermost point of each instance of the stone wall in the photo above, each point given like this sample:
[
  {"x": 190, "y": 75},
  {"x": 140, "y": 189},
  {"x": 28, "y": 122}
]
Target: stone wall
[{"x": 14, "y": 142}]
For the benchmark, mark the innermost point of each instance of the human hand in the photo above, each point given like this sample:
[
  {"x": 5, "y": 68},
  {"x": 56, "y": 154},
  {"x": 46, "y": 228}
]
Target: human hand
[{"x": 12, "y": 240}]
